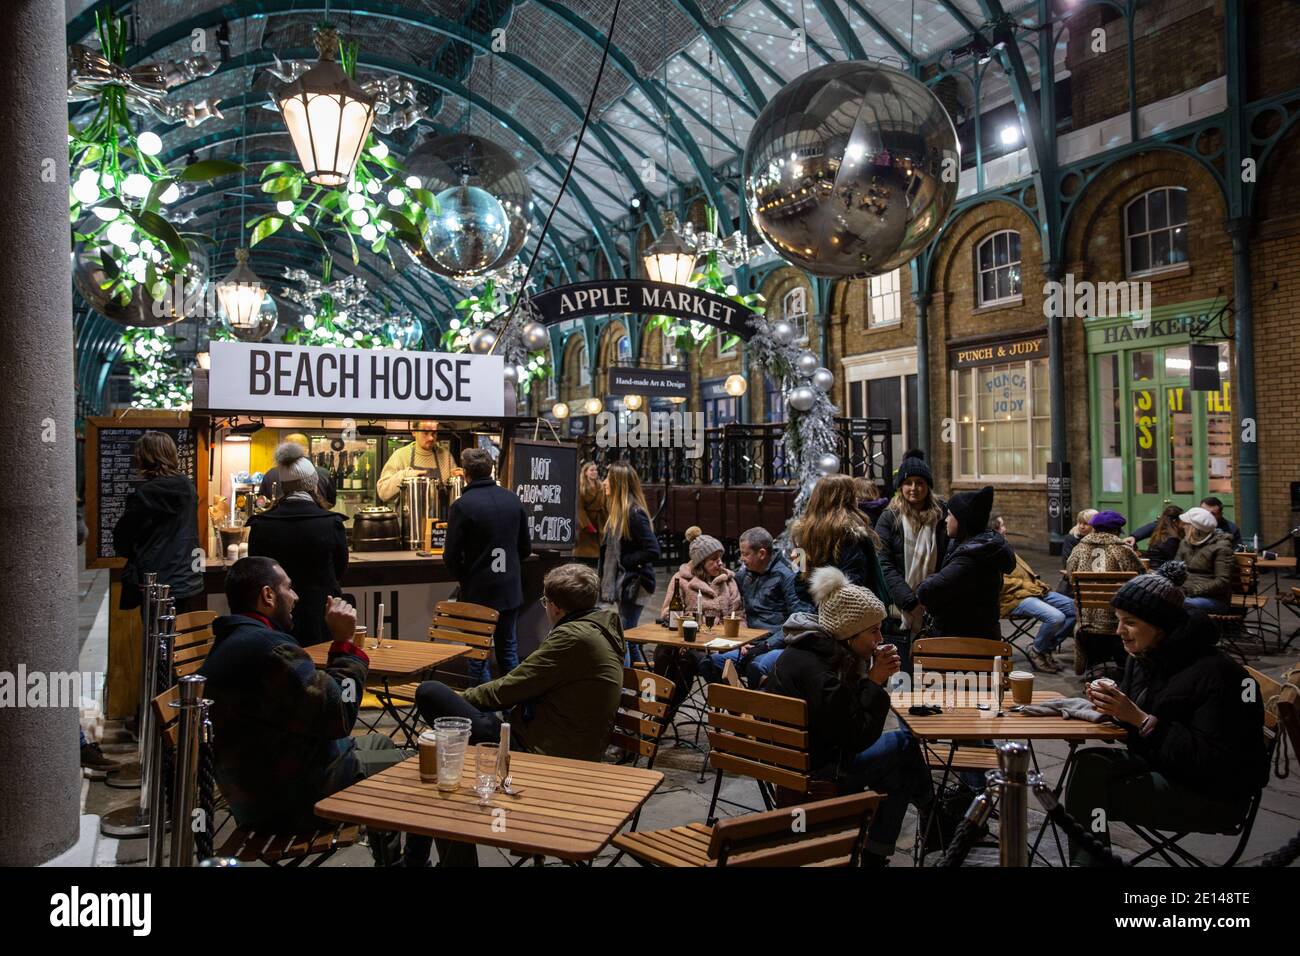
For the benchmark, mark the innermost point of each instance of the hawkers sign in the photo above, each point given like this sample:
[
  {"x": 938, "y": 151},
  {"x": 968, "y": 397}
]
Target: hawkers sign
[{"x": 642, "y": 297}]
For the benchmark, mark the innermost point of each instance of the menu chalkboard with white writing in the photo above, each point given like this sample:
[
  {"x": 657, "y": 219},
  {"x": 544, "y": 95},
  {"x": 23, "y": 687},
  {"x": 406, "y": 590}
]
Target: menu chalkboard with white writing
[
  {"x": 110, "y": 476},
  {"x": 545, "y": 477}
]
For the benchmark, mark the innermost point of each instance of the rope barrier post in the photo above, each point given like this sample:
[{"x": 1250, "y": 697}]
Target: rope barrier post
[
  {"x": 1013, "y": 804},
  {"x": 149, "y": 596},
  {"x": 193, "y": 714},
  {"x": 152, "y": 791}
]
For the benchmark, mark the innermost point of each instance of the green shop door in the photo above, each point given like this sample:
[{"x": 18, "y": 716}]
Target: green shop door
[{"x": 1159, "y": 442}]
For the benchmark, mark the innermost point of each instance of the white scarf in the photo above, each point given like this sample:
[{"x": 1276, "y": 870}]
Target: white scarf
[{"x": 919, "y": 558}]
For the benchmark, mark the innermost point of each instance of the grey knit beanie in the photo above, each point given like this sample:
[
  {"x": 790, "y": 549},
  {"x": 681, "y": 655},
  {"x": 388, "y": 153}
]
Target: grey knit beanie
[
  {"x": 1155, "y": 597},
  {"x": 294, "y": 468},
  {"x": 701, "y": 546}
]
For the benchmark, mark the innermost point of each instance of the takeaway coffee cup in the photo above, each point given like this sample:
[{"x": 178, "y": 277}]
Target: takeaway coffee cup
[
  {"x": 428, "y": 744},
  {"x": 731, "y": 627},
  {"x": 690, "y": 629},
  {"x": 1022, "y": 687},
  {"x": 1103, "y": 682}
]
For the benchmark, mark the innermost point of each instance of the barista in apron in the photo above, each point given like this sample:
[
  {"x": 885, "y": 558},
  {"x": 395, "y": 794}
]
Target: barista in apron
[{"x": 425, "y": 457}]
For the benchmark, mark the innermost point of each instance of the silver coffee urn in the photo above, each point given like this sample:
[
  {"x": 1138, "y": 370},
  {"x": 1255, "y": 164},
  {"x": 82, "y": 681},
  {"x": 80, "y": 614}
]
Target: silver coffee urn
[{"x": 418, "y": 501}]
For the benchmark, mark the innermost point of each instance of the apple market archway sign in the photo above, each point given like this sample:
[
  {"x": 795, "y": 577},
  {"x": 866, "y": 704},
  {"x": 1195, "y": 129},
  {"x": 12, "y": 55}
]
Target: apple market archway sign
[{"x": 641, "y": 297}]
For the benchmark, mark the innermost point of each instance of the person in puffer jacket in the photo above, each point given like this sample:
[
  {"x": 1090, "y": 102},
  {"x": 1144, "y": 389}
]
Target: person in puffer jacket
[
  {"x": 835, "y": 662},
  {"x": 963, "y": 596},
  {"x": 704, "y": 580},
  {"x": 1195, "y": 756}
]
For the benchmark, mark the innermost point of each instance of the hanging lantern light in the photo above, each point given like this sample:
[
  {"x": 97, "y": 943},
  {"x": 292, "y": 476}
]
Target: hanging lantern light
[
  {"x": 593, "y": 406},
  {"x": 735, "y": 385},
  {"x": 560, "y": 410},
  {"x": 632, "y": 402},
  {"x": 240, "y": 294},
  {"x": 668, "y": 259},
  {"x": 328, "y": 114}
]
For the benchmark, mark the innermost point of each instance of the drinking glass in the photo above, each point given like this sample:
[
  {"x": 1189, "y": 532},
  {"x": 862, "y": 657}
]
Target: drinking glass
[
  {"x": 487, "y": 771},
  {"x": 452, "y": 735},
  {"x": 709, "y": 621}
]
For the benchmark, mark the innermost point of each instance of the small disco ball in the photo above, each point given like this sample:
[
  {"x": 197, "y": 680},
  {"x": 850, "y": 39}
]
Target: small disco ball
[
  {"x": 263, "y": 324},
  {"x": 468, "y": 233},
  {"x": 851, "y": 169},
  {"x": 444, "y": 162}
]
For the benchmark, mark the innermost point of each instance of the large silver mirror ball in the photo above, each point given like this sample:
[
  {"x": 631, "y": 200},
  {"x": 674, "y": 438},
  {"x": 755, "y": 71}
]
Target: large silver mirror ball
[
  {"x": 498, "y": 189},
  {"x": 142, "y": 311},
  {"x": 845, "y": 171}
]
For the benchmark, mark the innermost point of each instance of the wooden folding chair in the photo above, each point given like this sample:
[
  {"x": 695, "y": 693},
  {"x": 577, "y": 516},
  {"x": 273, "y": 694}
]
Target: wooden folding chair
[
  {"x": 965, "y": 663},
  {"x": 828, "y": 833},
  {"x": 763, "y": 736},
  {"x": 1168, "y": 846},
  {"x": 1093, "y": 590},
  {"x": 194, "y": 640},
  {"x": 454, "y": 622},
  {"x": 1245, "y": 600},
  {"x": 1022, "y": 628},
  {"x": 271, "y": 848}
]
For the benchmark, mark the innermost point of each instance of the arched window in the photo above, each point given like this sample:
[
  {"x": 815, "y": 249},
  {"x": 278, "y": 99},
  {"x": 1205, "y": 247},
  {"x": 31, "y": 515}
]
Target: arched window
[
  {"x": 794, "y": 309},
  {"x": 1155, "y": 231},
  {"x": 624, "y": 350},
  {"x": 997, "y": 262}
]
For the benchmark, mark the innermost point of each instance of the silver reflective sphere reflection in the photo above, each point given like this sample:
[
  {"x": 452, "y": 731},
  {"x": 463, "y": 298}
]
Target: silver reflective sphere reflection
[
  {"x": 828, "y": 464},
  {"x": 468, "y": 233},
  {"x": 263, "y": 324},
  {"x": 851, "y": 169},
  {"x": 802, "y": 398},
  {"x": 141, "y": 311},
  {"x": 443, "y": 162}
]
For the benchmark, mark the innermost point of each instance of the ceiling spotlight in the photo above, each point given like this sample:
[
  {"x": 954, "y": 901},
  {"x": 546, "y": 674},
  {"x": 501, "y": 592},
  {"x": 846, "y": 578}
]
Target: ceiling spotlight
[{"x": 1010, "y": 135}]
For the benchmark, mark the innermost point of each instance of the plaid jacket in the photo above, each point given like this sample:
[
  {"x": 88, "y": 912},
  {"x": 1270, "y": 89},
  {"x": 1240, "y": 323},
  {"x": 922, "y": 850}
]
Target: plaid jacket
[{"x": 280, "y": 725}]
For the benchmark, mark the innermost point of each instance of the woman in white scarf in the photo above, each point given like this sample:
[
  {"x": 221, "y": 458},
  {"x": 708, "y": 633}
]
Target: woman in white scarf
[{"x": 913, "y": 537}]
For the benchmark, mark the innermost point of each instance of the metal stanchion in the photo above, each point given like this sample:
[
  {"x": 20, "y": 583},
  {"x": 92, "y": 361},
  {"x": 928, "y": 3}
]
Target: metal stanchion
[
  {"x": 192, "y": 720},
  {"x": 128, "y": 776},
  {"x": 1013, "y": 803},
  {"x": 151, "y": 792}
]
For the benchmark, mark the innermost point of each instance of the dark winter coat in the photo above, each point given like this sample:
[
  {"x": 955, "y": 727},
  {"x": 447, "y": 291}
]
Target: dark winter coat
[
  {"x": 1206, "y": 737},
  {"x": 770, "y": 597},
  {"x": 639, "y": 550},
  {"x": 1209, "y": 566},
  {"x": 484, "y": 518},
  {"x": 845, "y": 716},
  {"x": 158, "y": 531},
  {"x": 311, "y": 545},
  {"x": 860, "y": 564},
  {"x": 280, "y": 725},
  {"x": 963, "y": 595},
  {"x": 892, "y": 559}
]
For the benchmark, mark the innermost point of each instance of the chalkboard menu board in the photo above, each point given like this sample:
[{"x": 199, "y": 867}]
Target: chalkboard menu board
[
  {"x": 113, "y": 478},
  {"x": 545, "y": 477}
]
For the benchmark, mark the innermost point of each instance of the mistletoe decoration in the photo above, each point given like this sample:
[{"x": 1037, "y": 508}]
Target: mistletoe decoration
[
  {"x": 380, "y": 202},
  {"x": 119, "y": 186},
  {"x": 487, "y": 311},
  {"x": 334, "y": 311},
  {"x": 159, "y": 379}
]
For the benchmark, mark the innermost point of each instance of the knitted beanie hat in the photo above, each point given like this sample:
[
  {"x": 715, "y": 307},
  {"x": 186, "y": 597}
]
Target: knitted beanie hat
[
  {"x": 701, "y": 546},
  {"x": 1156, "y": 597},
  {"x": 1111, "y": 521},
  {"x": 843, "y": 609},
  {"x": 1200, "y": 519},
  {"x": 913, "y": 466},
  {"x": 972, "y": 509},
  {"x": 295, "y": 469}
]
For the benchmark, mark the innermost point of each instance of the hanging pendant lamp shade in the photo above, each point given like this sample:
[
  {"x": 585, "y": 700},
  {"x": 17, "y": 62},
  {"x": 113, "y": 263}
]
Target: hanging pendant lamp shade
[
  {"x": 668, "y": 258},
  {"x": 328, "y": 115},
  {"x": 241, "y": 293}
]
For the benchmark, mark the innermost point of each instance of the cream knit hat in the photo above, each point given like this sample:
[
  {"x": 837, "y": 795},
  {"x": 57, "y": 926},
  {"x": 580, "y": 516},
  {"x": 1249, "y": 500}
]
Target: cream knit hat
[{"x": 843, "y": 609}]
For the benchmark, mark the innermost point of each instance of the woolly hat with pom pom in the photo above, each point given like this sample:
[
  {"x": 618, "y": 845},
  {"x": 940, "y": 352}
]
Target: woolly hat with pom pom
[
  {"x": 1156, "y": 597},
  {"x": 294, "y": 468},
  {"x": 913, "y": 466},
  {"x": 843, "y": 609},
  {"x": 701, "y": 546}
]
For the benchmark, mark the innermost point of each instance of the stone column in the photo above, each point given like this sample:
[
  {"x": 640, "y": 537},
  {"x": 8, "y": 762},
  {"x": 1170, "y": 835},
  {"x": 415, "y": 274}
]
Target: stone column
[
  {"x": 40, "y": 780},
  {"x": 1056, "y": 389},
  {"x": 922, "y": 302}
]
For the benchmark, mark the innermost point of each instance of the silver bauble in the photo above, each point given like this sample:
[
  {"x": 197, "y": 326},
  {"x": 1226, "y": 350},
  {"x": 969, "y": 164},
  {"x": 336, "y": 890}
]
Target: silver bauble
[
  {"x": 511, "y": 374},
  {"x": 467, "y": 234},
  {"x": 141, "y": 311},
  {"x": 444, "y": 162},
  {"x": 802, "y": 398},
  {"x": 823, "y": 379},
  {"x": 806, "y": 362},
  {"x": 264, "y": 322},
  {"x": 482, "y": 341},
  {"x": 828, "y": 464},
  {"x": 783, "y": 332},
  {"x": 851, "y": 169},
  {"x": 535, "y": 336},
  {"x": 407, "y": 331}
]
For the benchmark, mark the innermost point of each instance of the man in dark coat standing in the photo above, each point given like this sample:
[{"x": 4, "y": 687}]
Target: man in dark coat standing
[{"x": 487, "y": 542}]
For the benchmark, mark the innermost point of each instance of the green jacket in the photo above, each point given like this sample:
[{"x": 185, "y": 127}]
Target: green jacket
[
  {"x": 1209, "y": 567},
  {"x": 571, "y": 686}
]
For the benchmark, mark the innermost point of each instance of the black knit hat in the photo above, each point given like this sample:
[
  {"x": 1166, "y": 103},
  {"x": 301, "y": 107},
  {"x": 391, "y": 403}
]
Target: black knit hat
[
  {"x": 913, "y": 466},
  {"x": 972, "y": 509},
  {"x": 1156, "y": 597}
]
